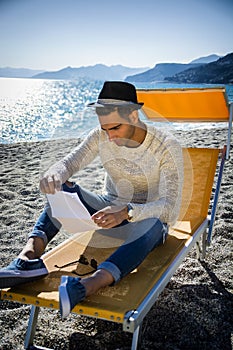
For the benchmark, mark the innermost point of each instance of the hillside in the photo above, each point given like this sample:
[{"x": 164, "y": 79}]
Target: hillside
[
  {"x": 219, "y": 72},
  {"x": 206, "y": 59},
  {"x": 159, "y": 72},
  {"x": 96, "y": 72},
  {"x": 162, "y": 70},
  {"x": 8, "y": 72}
]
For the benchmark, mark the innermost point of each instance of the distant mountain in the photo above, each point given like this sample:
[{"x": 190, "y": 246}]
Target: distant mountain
[
  {"x": 206, "y": 59},
  {"x": 159, "y": 72},
  {"x": 218, "y": 72},
  {"x": 96, "y": 72},
  {"x": 9, "y": 72},
  {"x": 116, "y": 72}
]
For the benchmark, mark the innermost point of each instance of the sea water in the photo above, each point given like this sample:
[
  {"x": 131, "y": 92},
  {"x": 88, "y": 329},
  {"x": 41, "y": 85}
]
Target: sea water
[{"x": 36, "y": 110}]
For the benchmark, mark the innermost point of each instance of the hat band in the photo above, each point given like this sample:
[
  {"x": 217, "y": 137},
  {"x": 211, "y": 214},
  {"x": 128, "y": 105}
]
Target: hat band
[{"x": 113, "y": 101}]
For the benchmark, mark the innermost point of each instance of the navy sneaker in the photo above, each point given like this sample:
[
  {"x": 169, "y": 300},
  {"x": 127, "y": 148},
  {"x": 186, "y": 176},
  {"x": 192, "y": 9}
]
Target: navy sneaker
[
  {"x": 71, "y": 292},
  {"x": 22, "y": 271}
]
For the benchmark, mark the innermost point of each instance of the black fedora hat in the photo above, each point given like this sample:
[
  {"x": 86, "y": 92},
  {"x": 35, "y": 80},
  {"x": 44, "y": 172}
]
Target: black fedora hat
[{"x": 117, "y": 93}]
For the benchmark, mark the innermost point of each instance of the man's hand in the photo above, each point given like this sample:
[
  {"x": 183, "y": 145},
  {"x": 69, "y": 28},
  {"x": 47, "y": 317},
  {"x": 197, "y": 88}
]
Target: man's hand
[
  {"x": 50, "y": 183},
  {"x": 110, "y": 216}
]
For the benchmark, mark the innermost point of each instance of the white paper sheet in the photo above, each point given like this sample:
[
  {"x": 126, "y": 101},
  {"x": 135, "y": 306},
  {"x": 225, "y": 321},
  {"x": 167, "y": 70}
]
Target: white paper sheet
[{"x": 69, "y": 210}]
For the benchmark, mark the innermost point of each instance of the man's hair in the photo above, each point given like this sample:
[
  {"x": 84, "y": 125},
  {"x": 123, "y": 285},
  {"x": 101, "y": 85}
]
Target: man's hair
[{"x": 124, "y": 111}]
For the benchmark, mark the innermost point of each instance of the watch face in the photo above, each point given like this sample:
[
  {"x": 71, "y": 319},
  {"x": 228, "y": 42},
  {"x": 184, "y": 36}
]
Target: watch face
[{"x": 130, "y": 212}]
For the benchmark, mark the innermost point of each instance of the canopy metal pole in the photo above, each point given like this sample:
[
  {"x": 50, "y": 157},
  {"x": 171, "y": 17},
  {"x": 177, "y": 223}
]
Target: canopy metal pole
[
  {"x": 229, "y": 131},
  {"x": 218, "y": 186}
]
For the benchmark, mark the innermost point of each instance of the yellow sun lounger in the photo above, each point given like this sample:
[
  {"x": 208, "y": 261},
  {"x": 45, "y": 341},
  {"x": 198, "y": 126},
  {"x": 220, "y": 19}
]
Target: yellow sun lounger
[{"x": 130, "y": 300}]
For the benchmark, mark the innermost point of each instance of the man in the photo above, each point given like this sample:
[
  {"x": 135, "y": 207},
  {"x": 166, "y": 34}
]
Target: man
[{"x": 141, "y": 198}]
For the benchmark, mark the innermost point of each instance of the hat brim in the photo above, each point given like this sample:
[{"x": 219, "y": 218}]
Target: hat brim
[{"x": 116, "y": 104}]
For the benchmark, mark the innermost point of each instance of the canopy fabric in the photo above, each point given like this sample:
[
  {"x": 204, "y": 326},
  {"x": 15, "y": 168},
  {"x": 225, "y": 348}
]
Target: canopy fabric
[{"x": 185, "y": 105}]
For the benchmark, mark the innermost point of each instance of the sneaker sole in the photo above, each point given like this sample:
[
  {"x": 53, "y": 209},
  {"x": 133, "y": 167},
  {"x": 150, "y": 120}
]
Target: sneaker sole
[
  {"x": 12, "y": 278},
  {"x": 64, "y": 300}
]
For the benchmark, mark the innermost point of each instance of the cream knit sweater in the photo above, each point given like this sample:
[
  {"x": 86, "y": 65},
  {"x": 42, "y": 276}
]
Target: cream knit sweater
[{"x": 149, "y": 176}]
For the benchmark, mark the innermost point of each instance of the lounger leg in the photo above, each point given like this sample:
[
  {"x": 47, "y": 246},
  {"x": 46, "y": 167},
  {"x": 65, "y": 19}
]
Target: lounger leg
[
  {"x": 198, "y": 250},
  {"x": 28, "y": 343},
  {"x": 136, "y": 338},
  {"x": 201, "y": 248},
  {"x": 204, "y": 243}
]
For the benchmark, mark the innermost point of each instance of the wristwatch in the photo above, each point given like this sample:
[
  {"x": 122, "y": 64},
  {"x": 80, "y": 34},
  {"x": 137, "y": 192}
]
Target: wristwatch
[{"x": 130, "y": 212}]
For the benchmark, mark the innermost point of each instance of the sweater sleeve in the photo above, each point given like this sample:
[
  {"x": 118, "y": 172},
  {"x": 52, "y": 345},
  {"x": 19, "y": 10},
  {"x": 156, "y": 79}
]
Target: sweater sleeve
[
  {"x": 76, "y": 160},
  {"x": 167, "y": 206}
]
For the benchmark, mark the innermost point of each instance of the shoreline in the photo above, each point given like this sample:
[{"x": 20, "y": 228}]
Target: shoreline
[{"x": 192, "y": 313}]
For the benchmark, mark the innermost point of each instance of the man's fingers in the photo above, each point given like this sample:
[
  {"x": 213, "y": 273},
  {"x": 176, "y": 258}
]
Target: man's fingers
[
  {"x": 44, "y": 185},
  {"x": 57, "y": 182},
  {"x": 50, "y": 183},
  {"x": 104, "y": 220},
  {"x": 98, "y": 217}
]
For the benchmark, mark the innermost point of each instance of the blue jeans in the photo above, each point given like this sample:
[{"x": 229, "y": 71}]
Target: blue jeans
[{"x": 141, "y": 237}]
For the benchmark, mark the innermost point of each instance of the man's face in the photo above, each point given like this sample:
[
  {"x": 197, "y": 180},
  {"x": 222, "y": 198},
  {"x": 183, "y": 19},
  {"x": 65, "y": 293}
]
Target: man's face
[{"x": 119, "y": 130}]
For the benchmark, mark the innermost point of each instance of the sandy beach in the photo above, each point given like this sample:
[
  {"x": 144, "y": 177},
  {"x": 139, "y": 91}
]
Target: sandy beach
[{"x": 194, "y": 311}]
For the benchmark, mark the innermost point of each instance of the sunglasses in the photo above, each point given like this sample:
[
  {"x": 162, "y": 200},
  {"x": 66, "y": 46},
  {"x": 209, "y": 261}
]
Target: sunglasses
[{"x": 84, "y": 261}]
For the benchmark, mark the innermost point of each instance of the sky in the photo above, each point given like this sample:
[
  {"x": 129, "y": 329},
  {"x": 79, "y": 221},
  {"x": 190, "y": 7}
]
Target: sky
[{"x": 53, "y": 34}]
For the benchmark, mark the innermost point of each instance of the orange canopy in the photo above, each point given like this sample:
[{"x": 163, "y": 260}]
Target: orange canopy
[{"x": 185, "y": 105}]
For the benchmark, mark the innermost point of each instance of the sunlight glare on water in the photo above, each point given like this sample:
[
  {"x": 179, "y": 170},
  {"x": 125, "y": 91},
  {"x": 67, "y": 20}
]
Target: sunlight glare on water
[{"x": 33, "y": 109}]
